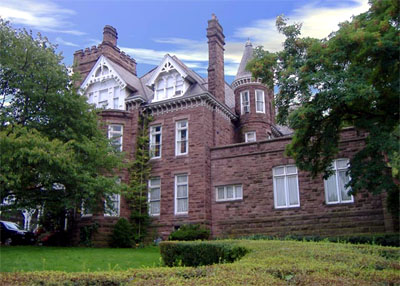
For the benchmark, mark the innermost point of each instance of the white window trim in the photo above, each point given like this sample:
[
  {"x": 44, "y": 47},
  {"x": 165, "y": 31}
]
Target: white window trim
[
  {"x": 83, "y": 211},
  {"x": 176, "y": 194},
  {"x": 151, "y": 141},
  {"x": 285, "y": 175},
  {"x": 338, "y": 192},
  {"x": 150, "y": 201},
  {"x": 121, "y": 135},
  {"x": 177, "y": 129},
  {"x": 246, "y": 135},
  {"x": 263, "y": 100},
  {"x": 241, "y": 102},
  {"x": 116, "y": 212},
  {"x": 225, "y": 199}
]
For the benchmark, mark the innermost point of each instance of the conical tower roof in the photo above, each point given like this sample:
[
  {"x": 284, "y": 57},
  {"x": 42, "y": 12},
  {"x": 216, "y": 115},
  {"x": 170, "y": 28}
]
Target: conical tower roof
[{"x": 247, "y": 56}]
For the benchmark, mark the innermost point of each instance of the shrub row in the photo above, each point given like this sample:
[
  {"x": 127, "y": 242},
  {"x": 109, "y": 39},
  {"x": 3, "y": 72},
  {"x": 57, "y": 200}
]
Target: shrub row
[
  {"x": 391, "y": 239},
  {"x": 190, "y": 232},
  {"x": 199, "y": 253}
]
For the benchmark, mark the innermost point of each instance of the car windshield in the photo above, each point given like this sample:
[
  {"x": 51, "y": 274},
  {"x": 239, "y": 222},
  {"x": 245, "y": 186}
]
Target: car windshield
[{"x": 11, "y": 225}]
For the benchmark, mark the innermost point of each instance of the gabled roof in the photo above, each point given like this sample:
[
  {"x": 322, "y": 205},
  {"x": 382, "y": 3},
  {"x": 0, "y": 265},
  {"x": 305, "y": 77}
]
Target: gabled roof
[
  {"x": 247, "y": 56},
  {"x": 122, "y": 76}
]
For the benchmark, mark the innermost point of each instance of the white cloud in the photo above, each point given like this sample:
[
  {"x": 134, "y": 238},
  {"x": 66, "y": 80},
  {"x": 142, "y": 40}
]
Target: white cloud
[
  {"x": 318, "y": 22},
  {"x": 61, "y": 41},
  {"x": 45, "y": 15}
]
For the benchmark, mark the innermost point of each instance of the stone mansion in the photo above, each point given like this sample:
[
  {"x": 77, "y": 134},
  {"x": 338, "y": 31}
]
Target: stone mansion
[{"x": 217, "y": 155}]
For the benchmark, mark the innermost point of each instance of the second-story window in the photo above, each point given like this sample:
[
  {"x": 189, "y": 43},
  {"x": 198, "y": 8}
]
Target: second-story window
[
  {"x": 182, "y": 143},
  {"x": 115, "y": 132},
  {"x": 260, "y": 101},
  {"x": 244, "y": 102},
  {"x": 155, "y": 141},
  {"x": 250, "y": 136}
]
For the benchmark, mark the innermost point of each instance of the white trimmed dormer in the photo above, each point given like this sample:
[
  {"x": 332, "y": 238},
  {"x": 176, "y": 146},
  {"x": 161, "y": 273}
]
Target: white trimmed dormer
[
  {"x": 104, "y": 87},
  {"x": 169, "y": 80}
]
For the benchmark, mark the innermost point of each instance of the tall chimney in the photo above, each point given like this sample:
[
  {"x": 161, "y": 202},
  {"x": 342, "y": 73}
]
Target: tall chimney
[
  {"x": 110, "y": 35},
  {"x": 216, "y": 42}
]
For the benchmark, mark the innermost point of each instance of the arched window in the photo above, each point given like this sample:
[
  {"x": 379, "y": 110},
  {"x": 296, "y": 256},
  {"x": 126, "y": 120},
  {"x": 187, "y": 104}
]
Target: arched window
[{"x": 169, "y": 85}]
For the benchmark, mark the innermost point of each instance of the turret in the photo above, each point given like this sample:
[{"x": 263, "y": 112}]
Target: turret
[{"x": 253, "y": 102}]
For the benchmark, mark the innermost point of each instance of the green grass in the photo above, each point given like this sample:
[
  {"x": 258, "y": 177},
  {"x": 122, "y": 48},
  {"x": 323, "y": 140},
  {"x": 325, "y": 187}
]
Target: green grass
[
  {"x": 270, "y": 262},
  {"x": 75, "y": 259}
]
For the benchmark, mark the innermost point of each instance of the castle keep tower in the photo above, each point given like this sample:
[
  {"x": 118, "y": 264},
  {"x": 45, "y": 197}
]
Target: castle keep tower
[{"x": 253, "y": 102}]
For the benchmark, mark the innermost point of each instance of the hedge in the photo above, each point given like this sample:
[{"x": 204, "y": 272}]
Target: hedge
[
  {"x": 199, "y": 253},
  {"x": 190, "y": 232}
]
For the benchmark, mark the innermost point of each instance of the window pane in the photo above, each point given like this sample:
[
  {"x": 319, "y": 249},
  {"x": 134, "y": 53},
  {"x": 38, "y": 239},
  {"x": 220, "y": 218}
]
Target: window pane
[
  {"x": 342, "y": 164},
  {"x": 155, "y": 182},
  {"x": 183, "y": 134},
  {"x": 155, "y": 208},
  {"x": 155, "y": 194},
  {"x": 182, "y": 191},
  {"x": 331, "y": 189},
  {"x": 116, "y": 128},
  {"x": 229, "y": 192},
  {"x": 182, "y": 147},
  {"x": 239, "y": 192},
  {"x": 343, "y": 180},
  {"x": 279, "y": 171},
  {"x": 182, "y": 205},
  {"x": 291, "y": 169},
  {"x": 220, "y": 193},
  {"x": 182, "y": 179},
  {"x": 293, "y": 195},
  {"x": 280, "y": 192}
]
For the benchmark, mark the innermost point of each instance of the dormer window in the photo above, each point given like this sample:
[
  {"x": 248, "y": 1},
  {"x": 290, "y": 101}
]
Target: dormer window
[{"x": 168, "y": 86}]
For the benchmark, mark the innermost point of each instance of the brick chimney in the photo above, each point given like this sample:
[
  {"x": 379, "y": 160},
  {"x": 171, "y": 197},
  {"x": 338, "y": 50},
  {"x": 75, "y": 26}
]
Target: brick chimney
[
  {"x": 216, "y": 75},
  {"x": 110, "y": 35}
]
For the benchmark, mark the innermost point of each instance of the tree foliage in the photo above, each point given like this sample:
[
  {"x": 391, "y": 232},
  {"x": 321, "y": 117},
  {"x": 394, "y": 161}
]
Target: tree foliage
[
  {"x": 53, "y": 152},
  {"x": 351, "y": 78}
]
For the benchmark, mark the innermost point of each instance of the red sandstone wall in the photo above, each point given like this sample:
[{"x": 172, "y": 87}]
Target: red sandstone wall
[{"x": 251, "y": 165}]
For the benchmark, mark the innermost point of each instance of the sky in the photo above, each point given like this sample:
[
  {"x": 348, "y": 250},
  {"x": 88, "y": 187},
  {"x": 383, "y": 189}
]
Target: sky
[{"x": 147, "y": 30}]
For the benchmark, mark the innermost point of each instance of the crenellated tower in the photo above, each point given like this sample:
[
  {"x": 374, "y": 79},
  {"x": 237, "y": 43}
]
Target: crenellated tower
[{"x": 253, "y": 102}]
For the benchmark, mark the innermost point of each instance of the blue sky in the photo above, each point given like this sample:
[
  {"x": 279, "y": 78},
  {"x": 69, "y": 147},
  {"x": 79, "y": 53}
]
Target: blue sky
[{"x": 149, "y": 29}]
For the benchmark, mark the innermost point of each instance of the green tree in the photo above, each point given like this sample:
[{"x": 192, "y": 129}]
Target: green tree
[
  {"x": 53, "y": 151},
  {"x": 351, "y": 78}
]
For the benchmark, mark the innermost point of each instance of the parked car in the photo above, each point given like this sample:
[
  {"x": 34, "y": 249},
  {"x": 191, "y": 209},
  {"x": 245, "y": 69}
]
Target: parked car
[{"x": 12, "y": 234}]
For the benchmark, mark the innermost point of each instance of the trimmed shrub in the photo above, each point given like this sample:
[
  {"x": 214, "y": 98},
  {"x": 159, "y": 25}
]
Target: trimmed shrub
[
  {"x": 199, "y": 253},
  {"x": 121, "y": 236},
  {"x": 190, "y": 232}
]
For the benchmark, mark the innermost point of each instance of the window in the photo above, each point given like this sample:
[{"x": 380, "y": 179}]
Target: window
[
  {"x": 103, "y": 102},
  {"x": 112, "y": 205},
  {"x": 154, "y": 196},
  {"x": 155, "y": 141},
  {"x": 85, "y": 210},
  {"x": 116, "y": 97},
  {"x": 260, "y": 101},
  {"x": 250, "y": 136},
  {"x": 229, "y": 193},
  {"x": 245, "y": 102},
  {"x": 169, "y": 85},
  {"x": 181, "y": 194},
  {"x": 115, "y": 134},
  {"x": 182, "y": 143},
  {"x": 286, "y": 187},
  {"x": 335, "y": 190}
]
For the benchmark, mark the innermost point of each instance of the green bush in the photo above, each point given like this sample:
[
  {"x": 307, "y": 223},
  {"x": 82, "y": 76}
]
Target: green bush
[
  {"x": 199, "y": 253},
  {"x": 121, "y": 236},
  {"x": 391, "y": 239},
  {"x": 190, "y": 232}
]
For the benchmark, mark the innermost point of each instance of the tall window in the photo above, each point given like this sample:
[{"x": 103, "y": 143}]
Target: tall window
[
  {"x": 154, "y": 196},
  {"x": 181, "y": 194},
  {"x": 229, "y": 193},
  {"x": 115, "y": 134},
  {"x": 245, "y": 102},
  {"x": 155, "y": 141},
  {"x": 286, "y": 187},
  {"x": 260, "y": 101},
  {"x": 112, "y": 205},
  {"x": 182, "y": 143},
  {"x": 335, "y": 190},
  {"x": 103, "y": 102},
  {"x": 250, "y": 136},
  {"x": 85, "y": 209}
]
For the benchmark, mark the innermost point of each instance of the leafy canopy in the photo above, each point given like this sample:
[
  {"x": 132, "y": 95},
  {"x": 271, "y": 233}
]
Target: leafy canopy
[
  {"x": 53, "y": 152},
  {"x": 350, "y": 78}
]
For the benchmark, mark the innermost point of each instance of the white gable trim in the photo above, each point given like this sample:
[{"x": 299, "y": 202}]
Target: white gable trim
[
  {"x": 165, "y": 66},
  {"x": 91, "y": 78}
]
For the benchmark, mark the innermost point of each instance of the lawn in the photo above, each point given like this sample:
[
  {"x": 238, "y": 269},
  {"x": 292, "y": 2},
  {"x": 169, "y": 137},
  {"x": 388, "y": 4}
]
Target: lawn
[
  {"x": 75, "y": 259},
  {"x": 269, "y": 262}
]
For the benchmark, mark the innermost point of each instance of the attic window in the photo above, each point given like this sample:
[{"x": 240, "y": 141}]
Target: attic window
[
  {"x": 168, "y": 86},
  {"x": 102, "y": 70}
]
